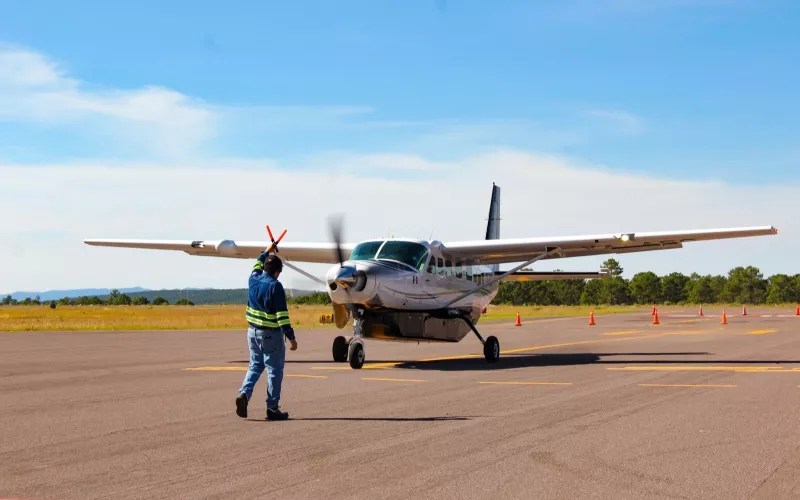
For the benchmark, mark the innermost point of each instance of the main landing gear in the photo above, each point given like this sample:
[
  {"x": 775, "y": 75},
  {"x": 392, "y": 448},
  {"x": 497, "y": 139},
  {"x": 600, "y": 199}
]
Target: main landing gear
[
  {"x": 350, "y": 350},
  {"x": 491, "y": 346}
]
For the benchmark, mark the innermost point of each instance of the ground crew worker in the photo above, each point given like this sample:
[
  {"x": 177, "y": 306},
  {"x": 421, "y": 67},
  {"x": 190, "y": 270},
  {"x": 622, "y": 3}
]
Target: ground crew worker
[{"x": 268, "y": 319}]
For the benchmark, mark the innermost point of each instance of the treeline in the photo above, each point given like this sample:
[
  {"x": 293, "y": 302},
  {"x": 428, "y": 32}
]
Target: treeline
[
  {"x": 115, "y": 298},
  {"x": 742, "y": 285},
  {"x": 165, "y": 297}
]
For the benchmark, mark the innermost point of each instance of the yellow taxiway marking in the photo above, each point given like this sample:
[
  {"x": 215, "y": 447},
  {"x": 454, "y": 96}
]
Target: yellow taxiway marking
[
  {"x": 737, "y": 369},
  {"x": 244, "y": 369},
  {"x": 527, "y": 383},
  {"x": 761, "y": 332},
  {"x": 367, "y": 366},
  {"x": 626, "y": 332},
  {"x": 687, "y": 385},
  {"x": 381, "y": 379}
]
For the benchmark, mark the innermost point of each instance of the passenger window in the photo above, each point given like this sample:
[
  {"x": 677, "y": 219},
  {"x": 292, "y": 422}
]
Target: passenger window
[
  {"x": 448, "y": 268},
  {"x": 459, "y": 270},
  {"x": 469, "y": 272},
  {"x": 440, "y": 266},
  {"x": 432, "y": 266}
]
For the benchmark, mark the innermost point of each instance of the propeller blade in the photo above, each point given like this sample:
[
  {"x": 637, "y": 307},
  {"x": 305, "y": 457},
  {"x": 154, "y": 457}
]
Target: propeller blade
[{"x": 335, "y": 223}]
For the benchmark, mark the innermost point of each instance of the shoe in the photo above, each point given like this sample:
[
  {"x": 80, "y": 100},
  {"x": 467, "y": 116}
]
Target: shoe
[
  {"x": 241, "y": 405},
  {"x": 277, "y": 414}
]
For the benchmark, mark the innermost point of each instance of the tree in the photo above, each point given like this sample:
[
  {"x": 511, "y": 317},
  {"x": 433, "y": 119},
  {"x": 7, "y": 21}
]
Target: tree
[
  {"x": 184, "y": 302},
  {"x": 567, "y": 292},
  {"x": 160, "y": 301},
  {"x": 745, "y": 285},
  {"x": 593, "y": 292},
  {"x": 781, "y": 289},
  {"x": 606, "y": 291},
  {"x": 141, "y": 301},
  {"x": 645, "y": 288},
  {"x": 613, "y": 267},
  {"x": 121, "y": 299},
  {"x": 8, "y": 300},
  {"x": 702, "y": 290},
  {"x": 673, "y": 288}
]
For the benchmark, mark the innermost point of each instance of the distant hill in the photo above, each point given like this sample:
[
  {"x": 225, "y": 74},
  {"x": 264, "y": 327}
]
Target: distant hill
[
  {"x": 80, "y": 292},
  {"x": 195, "y": 295},
  {"x": 209, "y": 296}
]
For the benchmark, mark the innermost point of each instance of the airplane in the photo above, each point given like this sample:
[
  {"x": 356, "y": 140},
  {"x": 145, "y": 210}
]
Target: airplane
[{"x": 411, "y": 290}]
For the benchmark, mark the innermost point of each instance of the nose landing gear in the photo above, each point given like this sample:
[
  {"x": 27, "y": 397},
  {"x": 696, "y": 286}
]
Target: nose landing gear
[{"x": 351, "y": 350}]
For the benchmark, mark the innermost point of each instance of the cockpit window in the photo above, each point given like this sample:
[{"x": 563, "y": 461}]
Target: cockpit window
[
  {"x": 366, "y": 250},
  {"x": 412, "y": 254}
]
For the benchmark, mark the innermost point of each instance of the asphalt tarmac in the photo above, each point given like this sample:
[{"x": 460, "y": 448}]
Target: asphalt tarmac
[{"x": 624, "y": 409}]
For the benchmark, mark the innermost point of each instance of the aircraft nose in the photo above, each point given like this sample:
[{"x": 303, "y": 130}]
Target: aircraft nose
[{"x": 348, "y": 278}]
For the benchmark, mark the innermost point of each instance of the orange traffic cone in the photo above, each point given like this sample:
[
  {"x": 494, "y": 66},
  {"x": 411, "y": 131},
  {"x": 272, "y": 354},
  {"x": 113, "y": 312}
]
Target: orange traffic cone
[
  {"x": 744, "y": 310},
  {"x": 700, "y": 311},
  {"x": 591, "y": 319},
  {"x": 655, "y": 310},
  {"x": 519, "y": 321},
  {"x": 724, "y": 318},
  {"x": 655, "y": 319},
  {"x": 797, "y": 311}
]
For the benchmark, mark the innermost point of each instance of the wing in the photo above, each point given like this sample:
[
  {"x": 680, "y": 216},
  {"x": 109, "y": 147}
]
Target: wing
[
  {"x": 518, "y": 250},
  {"x": 303, "y": 252}
]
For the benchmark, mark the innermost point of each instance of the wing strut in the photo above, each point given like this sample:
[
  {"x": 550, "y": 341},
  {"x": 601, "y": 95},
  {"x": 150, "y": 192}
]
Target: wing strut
[{"x": 548, "y": 251}]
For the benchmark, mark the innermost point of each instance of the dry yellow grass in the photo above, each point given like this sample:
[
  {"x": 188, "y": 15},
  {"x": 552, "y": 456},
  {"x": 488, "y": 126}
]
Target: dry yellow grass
[
  {"x": 66, "y": 318},
  {"x": 506, "y": 311},
  {"x": 69, "y": 318}
]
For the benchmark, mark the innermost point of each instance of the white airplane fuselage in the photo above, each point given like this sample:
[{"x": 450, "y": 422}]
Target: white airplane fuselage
[{"x": 404, "y": 290}]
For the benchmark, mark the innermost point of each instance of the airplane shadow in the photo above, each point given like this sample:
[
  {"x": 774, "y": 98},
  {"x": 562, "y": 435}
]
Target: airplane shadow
[
  {"x": 512, "y": 361},
  {"x": 376, "y": 419},
  {"x": 533, "y": 360}
]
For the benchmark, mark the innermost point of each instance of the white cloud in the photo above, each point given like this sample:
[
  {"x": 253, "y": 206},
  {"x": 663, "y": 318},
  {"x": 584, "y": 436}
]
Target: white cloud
[
  {"x": 44, "y": 223},
  {"x": 35, "y": 89}
]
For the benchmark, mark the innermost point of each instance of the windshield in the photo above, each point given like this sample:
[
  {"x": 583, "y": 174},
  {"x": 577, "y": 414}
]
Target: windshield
[
  {"x": 366, "y": 250},
  {"x": 412, "y": 254}
]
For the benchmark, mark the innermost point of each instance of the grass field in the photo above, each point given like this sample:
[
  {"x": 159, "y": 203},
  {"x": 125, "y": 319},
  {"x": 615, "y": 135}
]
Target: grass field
[{"x": 70, "y": 318}]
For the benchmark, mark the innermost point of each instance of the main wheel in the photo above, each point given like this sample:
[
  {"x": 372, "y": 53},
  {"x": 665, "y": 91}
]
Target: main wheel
[
  {"x": 356, "y": 355},
  {"x": 340, "y": 349},
  {"x": 491, "y": 349}
]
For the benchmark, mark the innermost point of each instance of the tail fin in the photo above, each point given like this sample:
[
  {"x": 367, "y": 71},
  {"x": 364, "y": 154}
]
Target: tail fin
[{"x": 493, "y": 227}]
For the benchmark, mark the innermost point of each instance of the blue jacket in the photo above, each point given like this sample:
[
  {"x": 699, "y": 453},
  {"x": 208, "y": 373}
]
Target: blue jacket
[{"x": 266, "y": 303}]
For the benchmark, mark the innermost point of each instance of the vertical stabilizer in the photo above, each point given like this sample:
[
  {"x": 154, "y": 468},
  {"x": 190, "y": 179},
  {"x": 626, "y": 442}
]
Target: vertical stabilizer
[{"x": 493, "y": 227}]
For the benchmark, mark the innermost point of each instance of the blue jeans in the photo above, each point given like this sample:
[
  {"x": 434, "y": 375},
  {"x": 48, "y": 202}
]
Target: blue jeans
[{"x": 266, "y": 349}]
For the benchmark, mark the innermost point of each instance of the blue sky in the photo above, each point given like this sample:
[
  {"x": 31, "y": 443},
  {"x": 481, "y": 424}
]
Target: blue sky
[
  {"x": 678, "y": 90},
  {"x": 705, "y": 88}
]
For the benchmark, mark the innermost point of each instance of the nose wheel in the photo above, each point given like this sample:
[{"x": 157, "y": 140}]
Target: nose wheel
[
  {"x": 355, "y": 354},
  {"x": 340, "y": 349}
]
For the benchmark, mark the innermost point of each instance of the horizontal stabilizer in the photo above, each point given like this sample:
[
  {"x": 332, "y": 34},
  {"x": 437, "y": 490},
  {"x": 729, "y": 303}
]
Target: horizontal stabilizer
[{"x": 552, "y": 275}]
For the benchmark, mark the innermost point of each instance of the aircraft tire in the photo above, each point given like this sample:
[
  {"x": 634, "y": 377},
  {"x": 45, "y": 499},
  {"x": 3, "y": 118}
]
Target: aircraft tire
[
  {"x": 356, "y": 355},
  {"x": 491, "y": 349},
  {"x": 340, "y": 349}
]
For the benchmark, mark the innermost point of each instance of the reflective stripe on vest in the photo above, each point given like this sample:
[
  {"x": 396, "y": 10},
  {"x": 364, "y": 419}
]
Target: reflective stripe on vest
[
  {"x": 261, "y": 318},
  {"x": 283, "y": 318}
]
